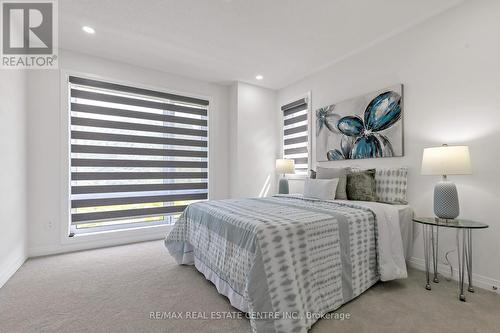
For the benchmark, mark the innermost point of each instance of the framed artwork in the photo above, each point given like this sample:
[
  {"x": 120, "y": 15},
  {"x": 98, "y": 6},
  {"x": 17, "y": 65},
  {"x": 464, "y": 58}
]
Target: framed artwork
[{"x": 368, "y": 126}]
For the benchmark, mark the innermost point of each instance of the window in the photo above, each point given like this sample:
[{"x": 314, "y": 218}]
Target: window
[
  {"x": 138, "y": 157},
  {"x": 296, "y": 134}
]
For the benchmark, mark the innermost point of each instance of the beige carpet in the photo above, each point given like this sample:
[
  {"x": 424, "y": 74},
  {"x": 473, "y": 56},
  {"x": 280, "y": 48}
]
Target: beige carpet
[{"x": 115, "y": 289}]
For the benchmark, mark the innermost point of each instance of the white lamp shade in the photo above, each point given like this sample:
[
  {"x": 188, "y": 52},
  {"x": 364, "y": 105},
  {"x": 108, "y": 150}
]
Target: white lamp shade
[
  {"x": 446, "y": 160},
  {"x": 285, "y": 166}
]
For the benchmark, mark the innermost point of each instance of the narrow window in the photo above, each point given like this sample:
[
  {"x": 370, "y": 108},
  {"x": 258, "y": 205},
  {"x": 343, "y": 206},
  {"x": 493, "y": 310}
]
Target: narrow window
[{"x": 296, "y": 134}]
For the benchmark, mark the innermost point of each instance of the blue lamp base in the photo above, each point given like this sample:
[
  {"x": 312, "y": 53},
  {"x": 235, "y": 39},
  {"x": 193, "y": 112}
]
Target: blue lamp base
[
  {"x": 446, "y": 200},
  {"x": 283, "y": 186}
]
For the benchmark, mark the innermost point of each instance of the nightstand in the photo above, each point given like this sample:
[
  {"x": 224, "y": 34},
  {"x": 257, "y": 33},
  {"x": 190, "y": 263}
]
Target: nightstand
[{"x": 464, "y": 247}]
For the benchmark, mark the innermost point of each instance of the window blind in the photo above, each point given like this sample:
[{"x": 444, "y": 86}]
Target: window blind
[
  {"x": 137, "y": 156},
  {"x": 296, "y": 134}
]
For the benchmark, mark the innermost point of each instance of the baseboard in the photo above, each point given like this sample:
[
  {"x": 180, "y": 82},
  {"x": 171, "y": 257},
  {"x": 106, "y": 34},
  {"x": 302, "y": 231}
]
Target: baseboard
[
  {"x": 40, "y": 251},
  {"x": 479, "y": 281},
  {"x": 10, "y": 268},
  {"x": 12, "y": 265}
]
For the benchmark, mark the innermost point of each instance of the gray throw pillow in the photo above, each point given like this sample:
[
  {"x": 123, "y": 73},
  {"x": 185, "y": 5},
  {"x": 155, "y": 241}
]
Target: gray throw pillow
[
  {"x": 340, "y": 173},
  {"x": 361, "y": 185}
]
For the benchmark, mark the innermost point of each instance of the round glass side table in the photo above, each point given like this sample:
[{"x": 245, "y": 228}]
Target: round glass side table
[{"x": 430, "y": 226}]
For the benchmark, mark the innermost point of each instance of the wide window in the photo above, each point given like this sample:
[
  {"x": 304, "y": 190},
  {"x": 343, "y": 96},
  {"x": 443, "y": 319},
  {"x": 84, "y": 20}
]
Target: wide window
[
  {"x": 138, "y": 156},
  {"x": 296, "y": 134}
]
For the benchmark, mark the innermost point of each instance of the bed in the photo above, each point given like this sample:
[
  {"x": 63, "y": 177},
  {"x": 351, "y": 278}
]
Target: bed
[{"x": 287, "y": 260}]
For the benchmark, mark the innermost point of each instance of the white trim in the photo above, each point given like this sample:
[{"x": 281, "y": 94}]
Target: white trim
[
  {"x": 11, "y": 268},
  {"x": 64, "y": 158},
  {"x": 100, "y": 240},
  {"x": 479, "y": 281},
  {"x": 309, "y": 130},
  {"x": 118, "y": 236},
  {"x": 69, "y": 72}
]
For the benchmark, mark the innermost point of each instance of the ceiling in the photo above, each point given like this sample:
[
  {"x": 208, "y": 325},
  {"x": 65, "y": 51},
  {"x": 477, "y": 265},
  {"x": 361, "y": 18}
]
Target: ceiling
[{"x": 234, "y": 40}]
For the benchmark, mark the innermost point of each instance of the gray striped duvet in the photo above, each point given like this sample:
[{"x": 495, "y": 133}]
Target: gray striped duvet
[{"x": 291, "y": 257}]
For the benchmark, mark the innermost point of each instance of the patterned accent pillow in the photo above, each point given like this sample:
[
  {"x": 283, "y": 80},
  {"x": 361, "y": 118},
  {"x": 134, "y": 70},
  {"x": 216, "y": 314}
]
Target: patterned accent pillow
[
  {"x": 391, "y": 185},
  {"x": 361, "y": 185}
]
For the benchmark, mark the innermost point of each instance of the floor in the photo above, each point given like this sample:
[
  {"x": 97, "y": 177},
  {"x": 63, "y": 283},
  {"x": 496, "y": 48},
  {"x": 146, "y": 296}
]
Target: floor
[{"x": 115, "y": 290}]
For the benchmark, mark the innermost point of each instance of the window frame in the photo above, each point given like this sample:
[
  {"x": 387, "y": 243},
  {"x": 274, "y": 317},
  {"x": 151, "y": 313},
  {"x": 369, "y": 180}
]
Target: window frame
[
  {"x": 307, "y": 96},
  {"x": 131, "y": 234}
]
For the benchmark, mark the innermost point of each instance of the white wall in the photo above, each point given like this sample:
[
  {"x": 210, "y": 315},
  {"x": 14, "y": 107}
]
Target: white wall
[
  {"x": 12, "y": 172},
  {"x": 253, "y": 137},
  {"x": 45, "y": 153},
  {"x": 450, "y": 69},
  {"x": 233, "y": 140}
]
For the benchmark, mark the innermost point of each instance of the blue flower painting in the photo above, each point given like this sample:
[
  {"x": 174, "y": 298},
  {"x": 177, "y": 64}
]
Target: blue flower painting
[{"x": 369, "y": 126}]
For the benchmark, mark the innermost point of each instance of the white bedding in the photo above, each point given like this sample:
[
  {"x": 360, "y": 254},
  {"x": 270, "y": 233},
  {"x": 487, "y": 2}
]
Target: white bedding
[
  {"x": 394, "y": 237},
  {"x": 406, "y": 225}
]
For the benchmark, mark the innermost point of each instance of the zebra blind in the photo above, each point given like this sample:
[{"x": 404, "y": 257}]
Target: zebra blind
[
  {"x": 296, "y": 134},
  {"x": 138, "y": 156}
]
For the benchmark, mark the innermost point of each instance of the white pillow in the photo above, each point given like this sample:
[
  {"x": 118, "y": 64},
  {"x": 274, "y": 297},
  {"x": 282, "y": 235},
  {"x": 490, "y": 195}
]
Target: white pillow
[{"x": 323, "y": 189}]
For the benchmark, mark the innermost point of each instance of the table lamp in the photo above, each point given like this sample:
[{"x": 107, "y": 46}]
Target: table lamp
[
  {"x": 284, "y": 166},
  {"x": 446, "y": 160}
]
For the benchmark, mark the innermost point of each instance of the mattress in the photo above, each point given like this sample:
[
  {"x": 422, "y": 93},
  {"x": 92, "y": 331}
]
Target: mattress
[{"x": 287, "y": 255}]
